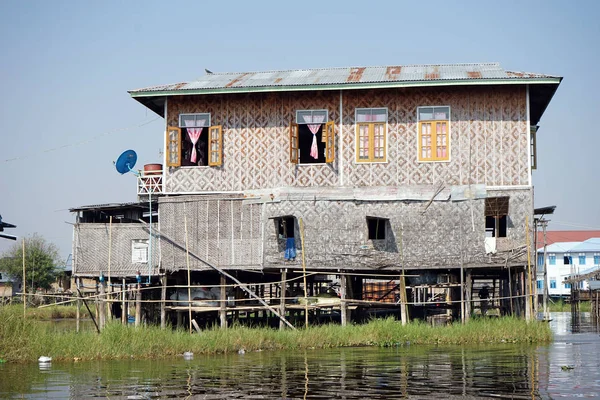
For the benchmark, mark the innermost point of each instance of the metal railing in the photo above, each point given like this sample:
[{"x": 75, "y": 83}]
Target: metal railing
[{"x": 150, "y": 182}]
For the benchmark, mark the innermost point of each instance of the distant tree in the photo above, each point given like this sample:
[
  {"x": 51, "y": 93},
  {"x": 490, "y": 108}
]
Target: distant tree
[{"x": 41, "y": 261}]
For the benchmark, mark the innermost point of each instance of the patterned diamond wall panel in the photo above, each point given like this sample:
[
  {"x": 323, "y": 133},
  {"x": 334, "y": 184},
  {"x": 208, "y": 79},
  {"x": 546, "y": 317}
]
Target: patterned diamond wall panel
[{"x": 488, "y": 139}]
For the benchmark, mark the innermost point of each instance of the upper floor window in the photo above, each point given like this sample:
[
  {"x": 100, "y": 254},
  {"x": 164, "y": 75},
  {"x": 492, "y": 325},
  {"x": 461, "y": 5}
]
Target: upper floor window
[
  {"x": 371, "y": 134},
  {"x": 312, "y": 138},
  {"x": 567, "y": 259},
  {"x": 582, "y": 259},
  {"x": 434, "y": 133},
  {"x": 596, "y": 259},
  {"x": 195, "y": 142},
  {"x": 552, "y": 259},
  {"x": 540, "y": 259}
]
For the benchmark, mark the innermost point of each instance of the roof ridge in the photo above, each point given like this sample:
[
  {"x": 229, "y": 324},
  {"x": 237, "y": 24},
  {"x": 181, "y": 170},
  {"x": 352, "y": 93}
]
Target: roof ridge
[{"x": 355, "y": 66}]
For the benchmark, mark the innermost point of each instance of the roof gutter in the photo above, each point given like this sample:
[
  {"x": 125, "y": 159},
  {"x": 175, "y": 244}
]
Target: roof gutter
[{"x": 353, "y": 86}]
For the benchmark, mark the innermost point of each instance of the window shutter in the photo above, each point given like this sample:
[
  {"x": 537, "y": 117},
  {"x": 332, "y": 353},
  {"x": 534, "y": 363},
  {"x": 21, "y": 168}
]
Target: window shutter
[
  {"x": 294, "y": 143},
  {"x": 215, "y": 146},
  {"x": 173, "y": 146},
  {"x": 329, "y": 141}
]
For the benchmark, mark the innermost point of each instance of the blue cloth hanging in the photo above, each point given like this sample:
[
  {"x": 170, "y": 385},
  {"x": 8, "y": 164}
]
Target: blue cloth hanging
[{"x": 290, "y": 249}]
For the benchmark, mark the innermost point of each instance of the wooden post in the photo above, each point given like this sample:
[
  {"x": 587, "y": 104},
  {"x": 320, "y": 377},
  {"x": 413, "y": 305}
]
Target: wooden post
[
  {"x": 528, "y": 279},
  {"x": 138, "y": 305},
  {"x": 101, "y": 306},
  {"x": 187, "y": 260},
  {"x": 402, "y": 284},
  {"x": 282, "y": 297},
  {"x": 223, "y": 303},
  {"x": 163, "y": 299},
  {"x": 304, "y": 275},
  {"x": 468, "y": 293},
  {"x": 77, "y": 312},
  {"x": 510, "y": 292},
  {"x": 109, "y": 255},
  {"x": 123, "y": 304},
  {"x": 343, "y": 304}
]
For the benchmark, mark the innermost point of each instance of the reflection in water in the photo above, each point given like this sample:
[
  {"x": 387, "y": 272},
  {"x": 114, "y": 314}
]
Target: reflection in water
[{"x": 499, "y": 371}]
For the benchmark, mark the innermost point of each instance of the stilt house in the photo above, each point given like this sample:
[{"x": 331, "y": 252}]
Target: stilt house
[{"x": 416, "y": 177}]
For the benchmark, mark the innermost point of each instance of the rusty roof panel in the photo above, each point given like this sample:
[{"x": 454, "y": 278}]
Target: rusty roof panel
[{"x": 345, "y": 76}]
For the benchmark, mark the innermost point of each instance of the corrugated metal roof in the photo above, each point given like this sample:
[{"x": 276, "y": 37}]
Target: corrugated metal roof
[
  {"x": 590, "y": 245},
  {"x": 110, "y": 206},
  {"x": 347, "y": 76}
]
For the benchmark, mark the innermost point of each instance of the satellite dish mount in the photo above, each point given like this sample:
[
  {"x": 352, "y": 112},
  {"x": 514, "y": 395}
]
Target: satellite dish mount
[{"x": 126, "y": 162}]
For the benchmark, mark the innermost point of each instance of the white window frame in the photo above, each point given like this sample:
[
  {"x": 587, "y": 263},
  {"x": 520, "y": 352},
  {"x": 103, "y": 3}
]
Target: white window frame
[
  {"x": 387, "y": 130},
  {"x": 449, "y": 144},
  {"x": 311, "y": 114},
  {"x": 196, "y": 117},
  {"x": 137, "y": 249}
]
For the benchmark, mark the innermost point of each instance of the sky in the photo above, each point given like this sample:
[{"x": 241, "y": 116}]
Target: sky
[{"x": 66, "y": 67}]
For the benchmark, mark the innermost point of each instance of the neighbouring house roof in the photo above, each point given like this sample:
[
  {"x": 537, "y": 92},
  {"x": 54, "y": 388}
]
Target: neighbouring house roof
[
  {"x": 559, "y": 247},
  {"x": 111, "y": 206},
  {"x": 346, "y": 78},
  {"x": 590, "y": 245},
  {"x": 565, "y": 236},
  {"x": 587, "y": 246}
]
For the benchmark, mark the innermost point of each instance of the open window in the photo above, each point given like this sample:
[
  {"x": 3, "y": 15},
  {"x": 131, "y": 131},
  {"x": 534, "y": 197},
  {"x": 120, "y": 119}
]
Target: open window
[
  {"x": 194, "y": 142},
  {"x": 312, "y": 138},
  {"x": 496, "y": 212},
  {"x": 376, "y": 228},
  {"x": 533, "y": 144},
  {"x": 285, "y": 229}
]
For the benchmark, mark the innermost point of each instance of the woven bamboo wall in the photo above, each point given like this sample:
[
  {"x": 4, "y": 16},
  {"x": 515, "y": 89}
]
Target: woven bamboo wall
[
  {"x": 489, "y": 139},
  {"x": 220, "y": 229},
  {"x": 229, "y": 233},
  {"x": 91, "y": 248}
]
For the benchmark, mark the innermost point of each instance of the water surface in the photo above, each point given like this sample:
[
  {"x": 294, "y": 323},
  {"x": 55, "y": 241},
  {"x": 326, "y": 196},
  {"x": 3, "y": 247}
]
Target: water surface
[{"x": 498, "y": 371}]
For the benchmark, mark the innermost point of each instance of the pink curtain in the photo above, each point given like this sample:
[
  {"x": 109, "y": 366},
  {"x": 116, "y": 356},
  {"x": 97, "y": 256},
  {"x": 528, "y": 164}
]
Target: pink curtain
[
  {"x": 314, "y": 128},
  {"x": 194, "y": 134}
]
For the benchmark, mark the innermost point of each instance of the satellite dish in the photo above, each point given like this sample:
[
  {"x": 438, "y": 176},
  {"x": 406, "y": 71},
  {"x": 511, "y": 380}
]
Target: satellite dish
[{"x": 126, "y": 161}]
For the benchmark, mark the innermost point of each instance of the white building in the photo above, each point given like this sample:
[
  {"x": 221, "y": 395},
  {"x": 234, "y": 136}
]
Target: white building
[{"x": 565, "y": 259}]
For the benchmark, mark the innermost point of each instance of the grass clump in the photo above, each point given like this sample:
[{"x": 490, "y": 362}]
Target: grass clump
[
  {"x": 50, "y": 312},
  {"x": 23, "y": 340}
]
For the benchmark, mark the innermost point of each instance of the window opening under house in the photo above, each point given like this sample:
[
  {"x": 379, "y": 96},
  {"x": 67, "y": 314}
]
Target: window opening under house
[
  {"x": 312, "y": 138},
  {"x": 376, "y": 227},
  {"x": 285, "y": 229},
  {"x": 496, "y": 211},
  {"x": 194, "y": 142}
]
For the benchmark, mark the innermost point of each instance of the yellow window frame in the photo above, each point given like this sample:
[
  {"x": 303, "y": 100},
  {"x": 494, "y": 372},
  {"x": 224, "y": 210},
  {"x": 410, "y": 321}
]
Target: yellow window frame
[
  {"x": 371, "y": 139},
  {"x": 173, "y": 146},
  {"x": 329, "y": 139},
  {"x": 215, "y": 146},
  {"x": 294, "y": 143},
  {"x": 434, "y": 144}
]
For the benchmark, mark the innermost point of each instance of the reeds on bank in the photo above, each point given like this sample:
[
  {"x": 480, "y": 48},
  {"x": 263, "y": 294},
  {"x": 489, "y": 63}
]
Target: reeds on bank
[{"x": 24, "y": 340}]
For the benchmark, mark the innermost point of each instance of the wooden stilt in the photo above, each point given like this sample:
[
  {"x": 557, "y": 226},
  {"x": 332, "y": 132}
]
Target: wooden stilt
[
  {"x": 163, "y": 299},
  {"x": 138, "y": 305},
  {"x": 343, "y": 295},
  {"x": 468, "y": 294},
  {"x": 223, "y": 303},
  {"x": 403, "y": 305},
  {"x": 282, "y": 297},
  {"x": 102, "y": 306},
  {"x": 123, "y": 303},
  {"x": 78, "y": 312}
]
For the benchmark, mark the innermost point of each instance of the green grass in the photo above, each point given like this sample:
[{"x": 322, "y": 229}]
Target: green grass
[
  {"x": 48, "y": 313},
  {"x": 562, "y": 306},
  {"x": 24, "y": 340}
]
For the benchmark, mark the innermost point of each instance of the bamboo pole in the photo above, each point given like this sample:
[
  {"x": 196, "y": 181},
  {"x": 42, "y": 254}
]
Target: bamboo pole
[
  {"x": 304, "y": 275},
  {"x": 222, "y": 272},
  {"x": 223, "y": 304},
  {"x": 282, "y": 298},
  {"x": 24, "y": 286},
  {"x": 402, "y": 284},
  {"x": 529, "y": 285},
  {"x": 163, "y": 299},
  {"x": 187, "y": 261},
  {"x": 109, "y": 256}
]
